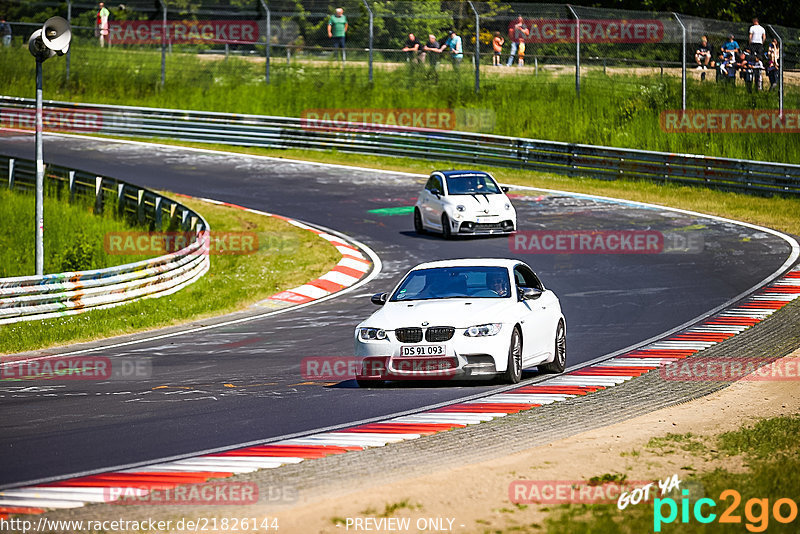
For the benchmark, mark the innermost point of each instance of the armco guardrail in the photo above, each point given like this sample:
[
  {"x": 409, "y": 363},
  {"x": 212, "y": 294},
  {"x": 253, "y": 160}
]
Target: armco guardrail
[
  {"x": 56, "y": 295},
  {"x": 463, "y": 147}
]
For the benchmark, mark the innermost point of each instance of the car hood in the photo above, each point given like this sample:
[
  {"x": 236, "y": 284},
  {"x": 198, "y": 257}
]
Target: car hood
[
  {"x": 459, "y": 313},
  {"x": 478, "y": 203}
]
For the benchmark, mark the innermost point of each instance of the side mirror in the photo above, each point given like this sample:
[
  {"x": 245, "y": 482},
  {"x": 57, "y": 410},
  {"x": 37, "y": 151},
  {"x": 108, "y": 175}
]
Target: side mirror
[
  {"x": 504, "y": 189},
  {"x": 379, "y": 298},
  {"x": 530, "y": 293}
]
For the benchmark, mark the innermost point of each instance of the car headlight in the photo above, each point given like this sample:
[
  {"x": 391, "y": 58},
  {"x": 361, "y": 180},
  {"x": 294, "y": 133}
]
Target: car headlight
[
  {"x": 371, "y": 334},
  {"x": 461, "y": 208},
  {"x": 483, "y": 330}
]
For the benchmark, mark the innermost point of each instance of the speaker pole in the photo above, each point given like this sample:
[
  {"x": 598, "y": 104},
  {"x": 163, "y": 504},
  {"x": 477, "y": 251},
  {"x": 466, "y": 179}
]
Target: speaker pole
[
  {"x": 39, "y": 175},
  {"x": 53, "y": 39}
]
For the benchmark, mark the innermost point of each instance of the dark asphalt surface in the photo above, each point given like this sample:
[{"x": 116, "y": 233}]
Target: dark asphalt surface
[{"x": 239, "y": 383}]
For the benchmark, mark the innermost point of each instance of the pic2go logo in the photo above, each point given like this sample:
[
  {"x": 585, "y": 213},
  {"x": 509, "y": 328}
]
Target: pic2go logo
[{"x": 756, "y": 511}]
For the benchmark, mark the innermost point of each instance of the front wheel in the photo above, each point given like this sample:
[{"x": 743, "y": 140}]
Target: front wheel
[
  {"x": 447, "y": 233},
  {"x": 418, "y": 222},
  {"x": 559, "y": 362},
  {"x": 513, "y": 372}
]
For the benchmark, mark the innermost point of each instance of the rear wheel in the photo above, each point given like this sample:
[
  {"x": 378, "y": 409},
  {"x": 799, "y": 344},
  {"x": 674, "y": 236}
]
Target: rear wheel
[
  {"x": 513, "y": 372},
  {"x": 418, "y": 222},
  {"x": 559, "y": 362},
  {"x": 446, "y": 231}
]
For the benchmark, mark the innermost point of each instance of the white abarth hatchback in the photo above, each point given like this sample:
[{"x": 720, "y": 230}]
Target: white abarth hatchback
[
  {"x": 464, "y": 203},
  {"x": 462, "y": 318}
]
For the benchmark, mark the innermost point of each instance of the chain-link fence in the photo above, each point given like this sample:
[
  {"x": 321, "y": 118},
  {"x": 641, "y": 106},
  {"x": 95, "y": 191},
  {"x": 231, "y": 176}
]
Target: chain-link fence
[{"x": 485, "y": 36}]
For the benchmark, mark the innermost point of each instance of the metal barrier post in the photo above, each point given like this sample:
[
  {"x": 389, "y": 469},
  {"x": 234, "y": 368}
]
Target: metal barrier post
[
  {"x": 11, "y": 173},
  {"x": 163, "y": 42},
  {"x": 477, "y": 48},
  {"x": 780, "y": 71},
  {"x": 371, "y": 35},
  {"x": 98, "y": 195},
  {"x": 683, "y": 61},
  {"x": 157, "y": 214},
  {"x": 577, "y": 51},
  {"x": 267, "y": 51}
]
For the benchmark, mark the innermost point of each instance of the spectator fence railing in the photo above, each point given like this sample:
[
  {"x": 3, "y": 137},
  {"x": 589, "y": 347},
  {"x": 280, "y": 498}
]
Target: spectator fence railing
[{"x": 26, "y": 298}]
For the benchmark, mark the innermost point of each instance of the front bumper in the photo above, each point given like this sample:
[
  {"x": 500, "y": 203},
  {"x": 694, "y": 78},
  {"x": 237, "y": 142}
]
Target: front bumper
[
  {"x": 475, "y": 228},
  {"x": 467, "y": 358}
]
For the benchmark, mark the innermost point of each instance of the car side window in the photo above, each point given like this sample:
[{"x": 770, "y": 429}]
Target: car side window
[
  {"x": 526, "y": 278},
  {"x": 434, "y": 185}
]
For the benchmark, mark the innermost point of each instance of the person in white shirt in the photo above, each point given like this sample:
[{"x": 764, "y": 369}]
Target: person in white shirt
[{"x": 757, "y": 36}]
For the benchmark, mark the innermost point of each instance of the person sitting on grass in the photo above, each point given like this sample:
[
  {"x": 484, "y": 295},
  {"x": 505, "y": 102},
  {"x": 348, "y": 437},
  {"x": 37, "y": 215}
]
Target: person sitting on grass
[
  {"x": 731, "y": 46},
  {"x": 702, "y": 56},
  {"x": 728, "y": 68}
]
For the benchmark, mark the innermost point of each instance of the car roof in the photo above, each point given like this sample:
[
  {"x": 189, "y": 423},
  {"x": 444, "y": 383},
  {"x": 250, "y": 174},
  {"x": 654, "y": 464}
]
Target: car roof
[
  {"x": 470, "y": 262},
  {"x": 459, "y": 173}
]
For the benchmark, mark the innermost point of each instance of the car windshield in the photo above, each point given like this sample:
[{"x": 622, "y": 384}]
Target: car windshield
[
  {"x": 472, "y": 184},
  {"x": 454, "y": 282}
]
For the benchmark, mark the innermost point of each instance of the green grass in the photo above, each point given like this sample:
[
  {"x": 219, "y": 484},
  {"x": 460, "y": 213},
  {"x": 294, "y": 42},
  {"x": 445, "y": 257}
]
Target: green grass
[
  {"x": 687, "y": 442},
  {"x": 618, "y": 110},
  {"x": 762, "y": 438},
  {"x": 287, "y": 257},
  {"x": 773, "y": 457},
  {"x": 73, "y": 235}
]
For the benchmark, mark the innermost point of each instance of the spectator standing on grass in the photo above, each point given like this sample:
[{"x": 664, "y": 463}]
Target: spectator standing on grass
[
  {"x": 433, "y": 48},
  {"x": 702, "y": 57},
  {"x": 773, "y": 63},
  {"x": 414, "y": 49},
  {"x": 518, "y": 32},
  {"x": 497, "y": 45},
  {"x": 757, "y": 67},
  {"x": 5, "y": 32},
  {"x": 102, "y": 23},
  {"x": 757, "y": 36},
  {"x": 745, "y": 71},
  {"x": 337, "y": 30},
  {"x": 453, "y": 42}
]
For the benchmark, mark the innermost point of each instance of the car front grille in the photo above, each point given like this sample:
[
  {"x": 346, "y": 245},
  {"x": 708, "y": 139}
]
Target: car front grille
[
  {"x": 439, "y": 333},
  {"x": 409, "y": 335},
  {"x": 434, "y": 334}
]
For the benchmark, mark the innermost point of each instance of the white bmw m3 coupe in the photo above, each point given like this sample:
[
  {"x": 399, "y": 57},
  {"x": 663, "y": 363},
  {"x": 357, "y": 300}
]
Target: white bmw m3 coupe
[
  {"x": 462, "y": 318},
  {"x": 464, "y": 203}
]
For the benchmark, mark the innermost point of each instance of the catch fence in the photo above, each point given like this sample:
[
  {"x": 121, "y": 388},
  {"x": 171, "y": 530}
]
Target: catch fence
[{"x": 556, "y": 38}]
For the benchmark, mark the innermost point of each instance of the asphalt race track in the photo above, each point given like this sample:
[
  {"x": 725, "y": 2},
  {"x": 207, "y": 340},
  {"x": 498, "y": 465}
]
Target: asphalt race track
[{"x": 235, "y": 384}]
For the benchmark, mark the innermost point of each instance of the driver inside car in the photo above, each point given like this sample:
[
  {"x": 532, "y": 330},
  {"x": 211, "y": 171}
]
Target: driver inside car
[{"x": 498, "y": 283}]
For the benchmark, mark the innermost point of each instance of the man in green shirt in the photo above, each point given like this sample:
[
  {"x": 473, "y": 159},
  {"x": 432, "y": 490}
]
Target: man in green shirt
[{"x": 337, "y": 29}]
